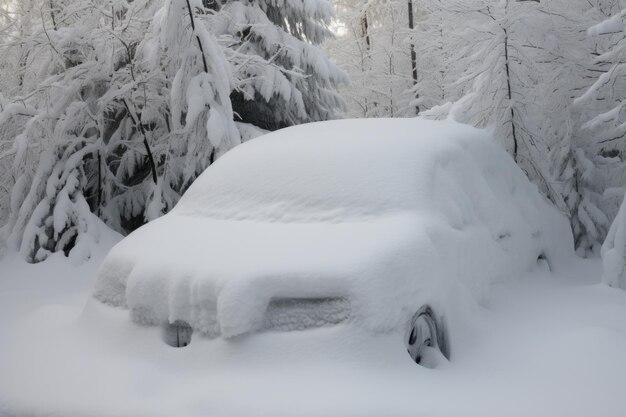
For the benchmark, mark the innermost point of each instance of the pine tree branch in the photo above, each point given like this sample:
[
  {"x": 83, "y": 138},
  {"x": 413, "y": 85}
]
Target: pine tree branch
[{"x": 145, "y": 140}]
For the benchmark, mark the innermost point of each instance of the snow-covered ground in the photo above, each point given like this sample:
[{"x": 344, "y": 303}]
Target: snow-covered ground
[{"x": 543, "y": 345}]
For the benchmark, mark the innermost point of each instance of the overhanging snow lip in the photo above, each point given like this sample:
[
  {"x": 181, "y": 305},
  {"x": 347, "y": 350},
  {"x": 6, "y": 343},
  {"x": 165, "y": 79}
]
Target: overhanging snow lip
[{"x": 140, "y": 274}]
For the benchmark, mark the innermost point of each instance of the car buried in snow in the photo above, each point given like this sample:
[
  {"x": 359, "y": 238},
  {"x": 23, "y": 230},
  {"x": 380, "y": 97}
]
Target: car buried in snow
[{"x": 389, "y": 226}]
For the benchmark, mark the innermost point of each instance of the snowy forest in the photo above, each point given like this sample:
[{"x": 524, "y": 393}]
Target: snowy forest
[
  {"x": 115, "y": 107},
  {"x": 312, "y": 208}
]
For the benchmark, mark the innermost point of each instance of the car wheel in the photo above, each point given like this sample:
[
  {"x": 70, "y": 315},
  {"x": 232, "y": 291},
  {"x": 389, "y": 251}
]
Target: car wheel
[
  {"x": 425, "y": 331},
  {"x": 177, "y": 334}
]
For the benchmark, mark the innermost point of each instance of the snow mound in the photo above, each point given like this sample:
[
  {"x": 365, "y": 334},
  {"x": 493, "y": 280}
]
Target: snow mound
[{"x": 378, "y": 213}]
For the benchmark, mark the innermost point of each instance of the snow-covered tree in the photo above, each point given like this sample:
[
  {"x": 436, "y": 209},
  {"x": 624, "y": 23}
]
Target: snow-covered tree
[
  {"x": 514, "y": 66},
  {"x": 281, "y": 75},
  {"x": 512, "y": 63},
  {"x": 59, "y": 118},
  {"x": 600, "y": 138},
  {"x": 121, "y": 105},
  {"x": 374, "y": 47},
  {"x": 430, "y": 36}
]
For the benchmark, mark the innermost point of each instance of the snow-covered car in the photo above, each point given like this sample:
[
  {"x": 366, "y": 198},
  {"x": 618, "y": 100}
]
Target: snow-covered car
[{"x": 391, "y": 226}]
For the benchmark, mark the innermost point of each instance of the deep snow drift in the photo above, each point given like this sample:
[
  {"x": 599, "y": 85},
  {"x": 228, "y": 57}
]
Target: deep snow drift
[{"x": 386, "y": 212}]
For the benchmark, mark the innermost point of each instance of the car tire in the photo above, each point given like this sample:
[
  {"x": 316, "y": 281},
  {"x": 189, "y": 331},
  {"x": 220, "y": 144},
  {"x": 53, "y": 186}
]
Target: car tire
[{"x": 426, "y": 330}]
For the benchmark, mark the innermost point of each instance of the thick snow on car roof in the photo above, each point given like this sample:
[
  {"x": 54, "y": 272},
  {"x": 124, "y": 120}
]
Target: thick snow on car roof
[
  {"x": 379, "y": 212},
  {"x": 342, "y": 170}
]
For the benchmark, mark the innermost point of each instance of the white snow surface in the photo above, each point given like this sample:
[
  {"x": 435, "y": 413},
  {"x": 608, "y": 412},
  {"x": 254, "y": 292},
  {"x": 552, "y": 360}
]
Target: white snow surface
[
  {"x": 548, "y": 344},
  {"x": 387, "y": 214}
]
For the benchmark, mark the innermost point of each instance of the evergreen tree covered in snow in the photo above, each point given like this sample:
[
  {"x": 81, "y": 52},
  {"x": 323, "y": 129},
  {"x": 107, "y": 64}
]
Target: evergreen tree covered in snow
[
  {"x": 59, "y": 119},
  {"x": 281, "y": 75},
  {"x": 600, "y": 139},
  {"x": 512, "y": 63},
  {"x": 121, "y": 104}
]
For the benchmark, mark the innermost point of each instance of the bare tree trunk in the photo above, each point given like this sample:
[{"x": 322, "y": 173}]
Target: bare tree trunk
[
  {"x": 193, "y": 28},
  {"x": 510, "y": 94},
  {"x": 413, "y": 54},
  {"x": 54, "y": 22},
  {"x": 368, "y": 44},
  {"x": 364, "y": 31},
  {"x": 99, "y": 184},
  {"x": 444, "y": 59}
]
